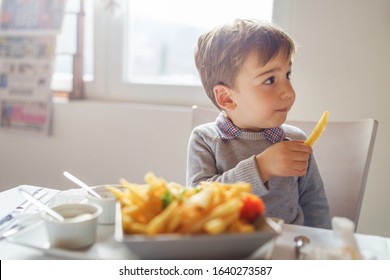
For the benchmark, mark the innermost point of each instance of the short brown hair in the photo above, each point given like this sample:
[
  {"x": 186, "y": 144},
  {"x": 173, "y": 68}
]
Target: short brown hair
[{"x": 221, "y": 52}]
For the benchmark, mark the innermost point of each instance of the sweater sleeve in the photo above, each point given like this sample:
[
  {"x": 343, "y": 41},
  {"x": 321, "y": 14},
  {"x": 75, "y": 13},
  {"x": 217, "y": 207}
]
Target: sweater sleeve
[
  {"x": 312, "y": 198},
  {"x": 202, "y": 165}
]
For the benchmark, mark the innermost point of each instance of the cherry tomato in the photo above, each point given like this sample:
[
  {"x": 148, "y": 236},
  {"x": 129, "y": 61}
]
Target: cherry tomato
[{"x": 253, "y": 207}]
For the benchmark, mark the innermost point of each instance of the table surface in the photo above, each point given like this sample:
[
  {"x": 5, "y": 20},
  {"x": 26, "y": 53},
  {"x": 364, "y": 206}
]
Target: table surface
[{"x": 30, "y": 245}]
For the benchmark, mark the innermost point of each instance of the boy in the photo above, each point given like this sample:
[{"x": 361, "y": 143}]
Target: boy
[{"x": 245, "y": 70}]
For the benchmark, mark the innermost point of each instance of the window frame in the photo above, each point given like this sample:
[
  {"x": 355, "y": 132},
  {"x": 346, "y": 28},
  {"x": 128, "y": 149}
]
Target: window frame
[{"x": 108, "y": 82}]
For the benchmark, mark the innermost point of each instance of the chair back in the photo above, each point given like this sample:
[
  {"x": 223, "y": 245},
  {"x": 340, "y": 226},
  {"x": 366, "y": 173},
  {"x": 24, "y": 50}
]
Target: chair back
[
  {"x": 201, "y": 115},
  {"x": 343, "y": 154}
]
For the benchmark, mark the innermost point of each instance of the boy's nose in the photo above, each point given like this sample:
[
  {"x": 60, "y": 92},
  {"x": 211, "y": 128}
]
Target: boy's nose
[{"x": 287, "y": 92}]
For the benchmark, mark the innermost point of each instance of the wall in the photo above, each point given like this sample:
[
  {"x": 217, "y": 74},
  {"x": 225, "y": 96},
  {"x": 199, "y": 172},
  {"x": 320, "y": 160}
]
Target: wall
[
  {"x": 99, "y": 143},
  {"x": 342, "y": 65}
]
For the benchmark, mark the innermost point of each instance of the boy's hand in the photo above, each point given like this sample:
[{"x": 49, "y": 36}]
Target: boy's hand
[{"x": 287, "y": 158}]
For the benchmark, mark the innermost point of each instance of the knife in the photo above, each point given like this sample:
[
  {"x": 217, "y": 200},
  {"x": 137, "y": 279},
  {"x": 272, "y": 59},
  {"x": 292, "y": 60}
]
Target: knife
[
  {"x": 10, "y": 232},
  {"x": 8, "y": 220},
  {"x": 15, "y": 227}
]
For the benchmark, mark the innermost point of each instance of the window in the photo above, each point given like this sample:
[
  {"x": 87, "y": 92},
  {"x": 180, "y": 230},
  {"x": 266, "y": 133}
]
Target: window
[
  {"x": 161, "y": 35},
  {"x": 143, "y": 49},
  {"x": 66, "y": 46}
]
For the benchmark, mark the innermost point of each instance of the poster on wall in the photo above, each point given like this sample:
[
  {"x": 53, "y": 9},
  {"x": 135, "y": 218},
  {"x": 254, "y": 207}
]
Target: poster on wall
[
  {"x": 27, "y": 53},
  {"x": 38, "y": 15},
  {"x": 27, "y": 47},
  {"x": 26, "y": 67},
  {"x": 32, "y": 116}
]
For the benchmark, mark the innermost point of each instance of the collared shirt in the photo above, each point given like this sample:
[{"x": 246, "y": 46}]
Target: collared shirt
[{"x": 228, "y": 130}]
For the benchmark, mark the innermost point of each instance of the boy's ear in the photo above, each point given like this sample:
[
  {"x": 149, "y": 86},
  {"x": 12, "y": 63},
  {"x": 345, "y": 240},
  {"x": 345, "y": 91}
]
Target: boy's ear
[{"x": 223, "y": 97}]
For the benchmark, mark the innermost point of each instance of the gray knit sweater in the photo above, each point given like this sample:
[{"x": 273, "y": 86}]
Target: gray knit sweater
[{"x": 296, "y": 200}]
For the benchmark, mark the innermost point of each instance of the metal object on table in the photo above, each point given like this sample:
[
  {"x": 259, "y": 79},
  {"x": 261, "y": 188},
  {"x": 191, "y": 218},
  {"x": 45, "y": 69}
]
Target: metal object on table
[
  {"x": 7, "y": 221},
  {"x": 11, "y": 231},
  {"x": 18, "y": 224},
  {"x": 300, "y": 242}
]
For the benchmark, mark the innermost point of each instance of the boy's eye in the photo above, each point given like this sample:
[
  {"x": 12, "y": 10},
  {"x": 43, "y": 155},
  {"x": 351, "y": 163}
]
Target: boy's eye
[
  {"x": 270, "y": 81},
  {"x": 288, "y": 75}
]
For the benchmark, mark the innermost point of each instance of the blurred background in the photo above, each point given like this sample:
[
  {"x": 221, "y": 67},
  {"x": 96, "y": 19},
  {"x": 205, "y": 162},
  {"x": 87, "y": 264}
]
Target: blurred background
[{"x": 139, "y": 83}]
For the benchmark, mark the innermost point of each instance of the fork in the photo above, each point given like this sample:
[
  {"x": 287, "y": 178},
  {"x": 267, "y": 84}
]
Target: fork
[{"x": 9, "y": 219}]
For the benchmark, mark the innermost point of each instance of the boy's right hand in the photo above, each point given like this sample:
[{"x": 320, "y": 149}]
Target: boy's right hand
[{"x": 287, "y": 158}]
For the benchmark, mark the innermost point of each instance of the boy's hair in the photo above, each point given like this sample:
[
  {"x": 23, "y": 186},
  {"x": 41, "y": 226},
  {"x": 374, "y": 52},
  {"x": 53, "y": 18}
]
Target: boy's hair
[{"x": 221, "y": 52}]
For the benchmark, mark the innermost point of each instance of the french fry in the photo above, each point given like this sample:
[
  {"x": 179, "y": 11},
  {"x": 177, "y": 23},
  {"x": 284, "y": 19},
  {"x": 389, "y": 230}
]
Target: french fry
[
  {"x": 137, "y": 228},
  {"x": 174, "y": 222},
  {"x": 239, "y": 226},
  {"x": 215, "y": 226},
  {"x": 117, "y": 193},
  {"x": 157, "y": 224},
  {"x": 219, "y": 225},
  {"x": 161, "y": 207},
  {"x": 153, "y": 181},
  {"x": 318, "y": 130},
  {"x": 135, "y": 194},
  {"x": 190, "y": 216},
  {"x": 229, "y": 207}
]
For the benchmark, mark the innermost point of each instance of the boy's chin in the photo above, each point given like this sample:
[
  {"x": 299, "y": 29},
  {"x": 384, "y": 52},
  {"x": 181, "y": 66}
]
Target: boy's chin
[{"x": 281, "y": 120}]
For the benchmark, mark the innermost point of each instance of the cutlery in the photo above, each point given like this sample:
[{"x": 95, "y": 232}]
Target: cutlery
[
  {"x": 11, "y": 231},
  {"x": 9, "y": 219},
  {"x": 42, "y": 206},
  {"x": 300, "y": 242},
  {"x": 20, "y": 225},
  {"x": 81, "y": 184}
]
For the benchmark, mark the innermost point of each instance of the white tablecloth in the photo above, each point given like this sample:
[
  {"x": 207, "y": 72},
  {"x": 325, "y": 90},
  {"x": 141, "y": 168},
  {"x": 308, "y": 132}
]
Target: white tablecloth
[{"x": 373, "y": 247}]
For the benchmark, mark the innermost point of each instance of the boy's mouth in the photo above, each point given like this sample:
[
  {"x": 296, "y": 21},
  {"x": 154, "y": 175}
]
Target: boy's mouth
[{"x": 283, "y": 110}]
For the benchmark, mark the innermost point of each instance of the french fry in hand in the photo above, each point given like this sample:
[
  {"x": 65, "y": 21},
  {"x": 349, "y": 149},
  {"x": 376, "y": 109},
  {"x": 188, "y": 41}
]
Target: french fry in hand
[{"x": 318, "y": 130}]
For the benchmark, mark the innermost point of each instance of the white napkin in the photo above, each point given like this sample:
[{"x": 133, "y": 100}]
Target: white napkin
[{"x": 345, "y": 246}]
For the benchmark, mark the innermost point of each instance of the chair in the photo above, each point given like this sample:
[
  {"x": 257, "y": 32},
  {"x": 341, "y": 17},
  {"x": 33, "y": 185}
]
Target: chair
[
  {"x": 343, "y": 154},
  {"x": 202, "y": 115}
]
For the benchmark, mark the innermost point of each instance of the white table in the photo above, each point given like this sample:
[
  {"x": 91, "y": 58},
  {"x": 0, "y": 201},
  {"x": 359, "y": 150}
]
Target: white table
[{"x": 107, "y": 248}]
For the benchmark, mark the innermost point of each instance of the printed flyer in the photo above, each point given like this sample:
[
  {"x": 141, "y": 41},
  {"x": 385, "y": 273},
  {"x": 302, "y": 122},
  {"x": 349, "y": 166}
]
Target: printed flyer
[
  {"x": 32, "y": 14},
  {"x": 26, "y": 62}
]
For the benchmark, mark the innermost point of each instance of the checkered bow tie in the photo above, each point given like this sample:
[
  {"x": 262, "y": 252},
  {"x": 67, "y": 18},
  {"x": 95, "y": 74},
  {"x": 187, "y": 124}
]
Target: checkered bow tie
[
  {"x": 229, "y": 131},
  {"x": 274, "y": 134}
]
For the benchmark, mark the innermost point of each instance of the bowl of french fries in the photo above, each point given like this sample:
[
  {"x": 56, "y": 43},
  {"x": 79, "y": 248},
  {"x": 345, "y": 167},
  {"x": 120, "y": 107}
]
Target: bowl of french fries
[{"x": 161, "y": 220}]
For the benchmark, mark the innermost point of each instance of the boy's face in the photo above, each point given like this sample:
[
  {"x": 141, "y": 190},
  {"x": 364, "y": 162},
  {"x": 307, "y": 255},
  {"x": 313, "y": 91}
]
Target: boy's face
[{"x": 263, "y": 95}]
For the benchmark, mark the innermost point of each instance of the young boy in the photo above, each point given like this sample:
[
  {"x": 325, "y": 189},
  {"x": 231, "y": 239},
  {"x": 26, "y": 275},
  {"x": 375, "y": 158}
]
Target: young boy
[{"x": 245, "y": 70}]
